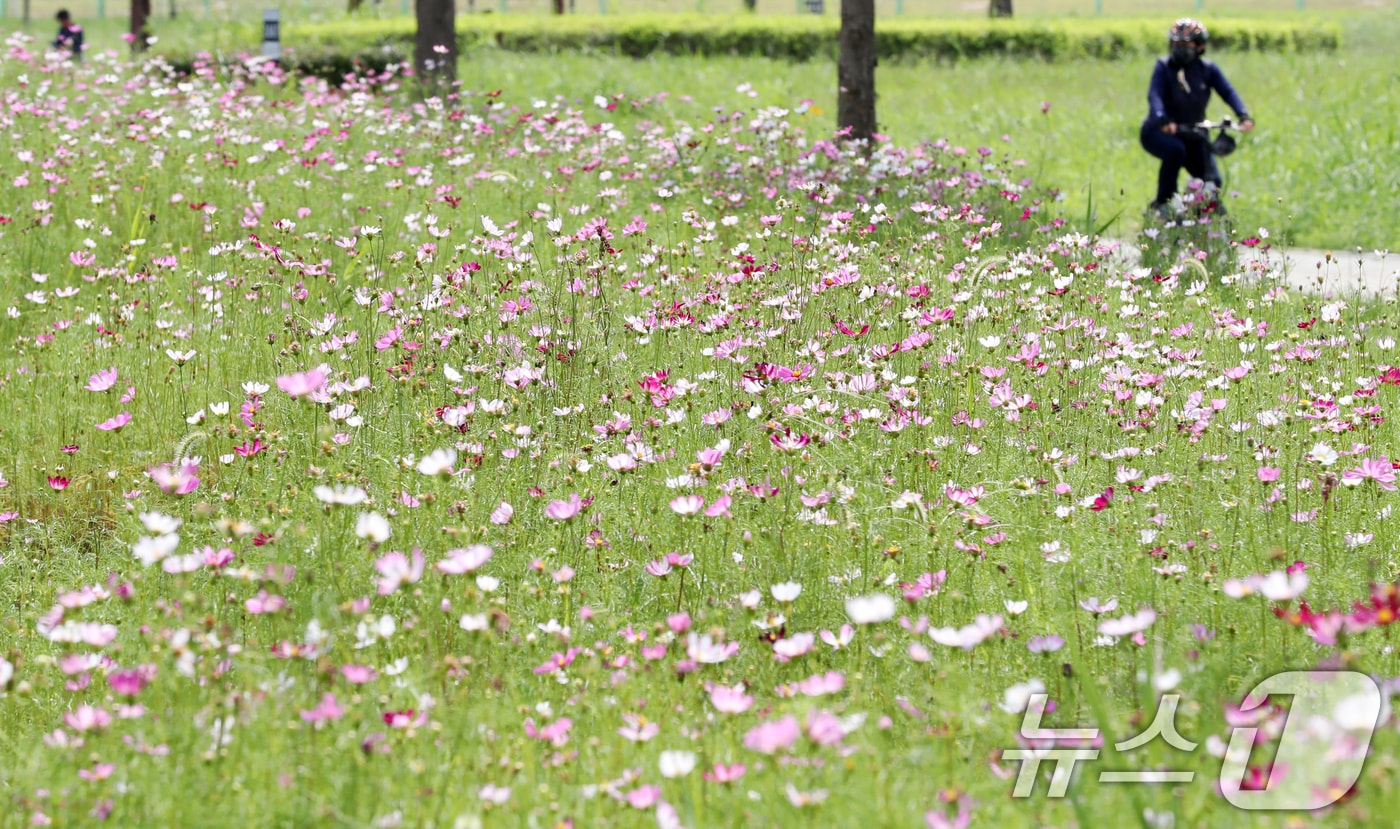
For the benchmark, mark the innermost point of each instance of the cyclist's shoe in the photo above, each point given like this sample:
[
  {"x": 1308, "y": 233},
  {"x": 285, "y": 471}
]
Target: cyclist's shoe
[{"x": 1167, "y": 211}]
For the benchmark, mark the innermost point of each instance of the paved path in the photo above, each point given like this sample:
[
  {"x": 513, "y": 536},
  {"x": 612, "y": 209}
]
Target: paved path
[
  {"x": 1366, "y": 272},
  {"x": 1369, "y": 273}
]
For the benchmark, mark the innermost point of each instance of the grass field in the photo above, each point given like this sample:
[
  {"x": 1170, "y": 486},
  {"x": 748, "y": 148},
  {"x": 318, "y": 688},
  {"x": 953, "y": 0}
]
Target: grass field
[
  {"x": 582, "y": 455},
  {"x": 43, "y": 10},
  {"x": 1318, "y": 171}
]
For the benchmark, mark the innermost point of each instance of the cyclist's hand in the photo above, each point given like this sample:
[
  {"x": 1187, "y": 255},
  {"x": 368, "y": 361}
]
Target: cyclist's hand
[
  {"x": 1247, "y": 126},
  {"x": 1169, "y": 129}
]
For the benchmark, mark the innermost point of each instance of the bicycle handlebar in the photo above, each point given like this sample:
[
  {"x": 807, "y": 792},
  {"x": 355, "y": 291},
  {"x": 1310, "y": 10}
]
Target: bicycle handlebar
[{"x": 1204, "y": 126}]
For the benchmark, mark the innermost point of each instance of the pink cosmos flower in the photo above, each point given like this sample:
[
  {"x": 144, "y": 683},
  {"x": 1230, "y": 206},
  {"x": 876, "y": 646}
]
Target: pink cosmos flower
[
  {"x": 687, "y": 504},
  {"x": 644, "y": 797},
  {"x": 502, "y": 514},
  {"x": 794, "y": 646},
  {"x": 358, "y": 674},
  {"x": 831, "y": 682},
  {"x": 465, "y": 560},
  {"x": 678, "y": 622},
  {"x": 173, "y": 480},
  {"x": 773, "y": 736},
  {"x": 396, "y": 570},
  {"x": 841, "y": 640},
  {"x": 102, "y": 380},
  {"x": 939, "y": 819},
  {"x": 216, "y": 559},
  {"x": 326, "y": 709},
  {"x": 564, "y": 510},
  {"x": 824, "y": 728},
  {"x": 265, "y": 603},
  {"x": 558, "y": 662},
  {"x": 726, "y": 774},
  {"x": 706, "y": 651},
  {"x": 129, "y": 683},
  {"x": 729, "y": 699},
  {"x": 115, "y": 423},
  {"x": 1378, "y": 470},
  {"x": 719, "y": 508},
  {"x": 637, "y": 729},
  {"x": 87, "y": 718},
  {"x": 303, "y": 383},
  {"x": 555, "y": 733},
  {"x": 1130, "y": 624}
]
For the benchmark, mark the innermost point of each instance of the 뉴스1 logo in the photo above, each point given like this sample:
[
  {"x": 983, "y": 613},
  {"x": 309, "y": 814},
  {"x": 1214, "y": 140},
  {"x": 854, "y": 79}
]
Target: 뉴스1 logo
[{"x": 1322, "y": 741}]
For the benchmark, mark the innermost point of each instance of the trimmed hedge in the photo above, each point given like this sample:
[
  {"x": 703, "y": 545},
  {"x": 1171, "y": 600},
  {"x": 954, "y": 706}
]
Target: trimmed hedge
[{"x": 806, "y": 38}]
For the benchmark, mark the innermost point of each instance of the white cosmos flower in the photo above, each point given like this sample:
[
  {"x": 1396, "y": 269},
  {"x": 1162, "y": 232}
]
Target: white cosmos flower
[
  {"x": 622, "y": 462},
  {"x": 340, "y": 495},
  {"x": 1323, "y": 454},
  {"x": 787, "y": 591},
  {"x": 373, "y": 526},
  {"x": 870, "y": 610},
  {"x": 1018, "y": 696},
  {"x": 1282, "y": 586},
  {"x": 439, "y": 462},
  {"x": 150, "y": 550},
  {"x": 677, "y": 763},
  {"x": 968, "y": 636},
  {"x": 1016, "y": 608},
  {"x": 158, "y": 523},
  {"x": 1130, "y": 624}
]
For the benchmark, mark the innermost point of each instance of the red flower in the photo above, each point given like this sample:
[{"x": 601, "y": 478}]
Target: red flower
[{"x": 1101, "y": 502}]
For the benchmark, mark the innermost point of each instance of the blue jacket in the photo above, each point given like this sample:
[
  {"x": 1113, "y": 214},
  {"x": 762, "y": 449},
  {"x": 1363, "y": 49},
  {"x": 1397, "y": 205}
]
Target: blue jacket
[
  {"x": 70, "y": 37},
  {"x": 1179, "y": 94}
]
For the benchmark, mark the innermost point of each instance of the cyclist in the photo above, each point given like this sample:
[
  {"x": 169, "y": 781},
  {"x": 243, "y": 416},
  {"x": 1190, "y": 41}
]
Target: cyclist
[
  {"x": 70, "y": 35},
  {"x": 1180, "y": 90}
]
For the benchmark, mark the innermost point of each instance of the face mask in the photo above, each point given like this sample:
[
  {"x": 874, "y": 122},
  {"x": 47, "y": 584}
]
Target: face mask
[{"x": 1184, "y": 53}]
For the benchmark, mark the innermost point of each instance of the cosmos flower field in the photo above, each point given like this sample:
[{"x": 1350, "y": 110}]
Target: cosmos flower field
[{"x": 612, "y": 462}]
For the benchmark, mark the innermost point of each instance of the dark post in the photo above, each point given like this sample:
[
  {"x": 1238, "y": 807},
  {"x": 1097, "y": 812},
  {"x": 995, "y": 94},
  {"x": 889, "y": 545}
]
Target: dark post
[
  {"x": 435, "y": 48},
  {"x": 140, "y": 35},
  {"x": 1000, "y": 8},
  {"x": 855, "y": 69}
]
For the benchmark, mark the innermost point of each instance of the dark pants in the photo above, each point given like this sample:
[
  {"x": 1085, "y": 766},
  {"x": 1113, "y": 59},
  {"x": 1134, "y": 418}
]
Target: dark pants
[{"x": 1177, "y": 151}]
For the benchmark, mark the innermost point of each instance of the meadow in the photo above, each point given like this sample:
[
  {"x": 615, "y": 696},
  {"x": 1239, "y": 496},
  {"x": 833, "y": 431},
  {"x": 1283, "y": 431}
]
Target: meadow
[
  {"x": 1321, "y": 170},
  {"x": 646, "y": 457}
]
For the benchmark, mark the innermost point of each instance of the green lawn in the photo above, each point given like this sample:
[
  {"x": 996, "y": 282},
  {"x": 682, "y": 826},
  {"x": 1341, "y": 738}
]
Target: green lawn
[{"x": 580, "y": 456}]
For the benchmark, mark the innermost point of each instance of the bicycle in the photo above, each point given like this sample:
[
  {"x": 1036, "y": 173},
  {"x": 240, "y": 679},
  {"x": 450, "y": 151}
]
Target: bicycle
[{"x": 1196, "y": 220}]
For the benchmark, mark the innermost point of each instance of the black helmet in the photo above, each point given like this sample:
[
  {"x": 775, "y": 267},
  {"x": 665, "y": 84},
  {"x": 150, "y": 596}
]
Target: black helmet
[{"x": 1189, "y": 30}]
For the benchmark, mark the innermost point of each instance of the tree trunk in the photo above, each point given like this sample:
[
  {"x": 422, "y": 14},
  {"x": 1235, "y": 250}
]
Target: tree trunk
[
  {"x": 435, "y": 48},
  {"x": 140, "y": 37},
  {"x": 558, "y": 6},
  {"x": 1000, "y": 8},
  {"x": 855, "y": 69},
  {"x": 353, "y": 6},
  {"x": 750, "y": 5}
]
